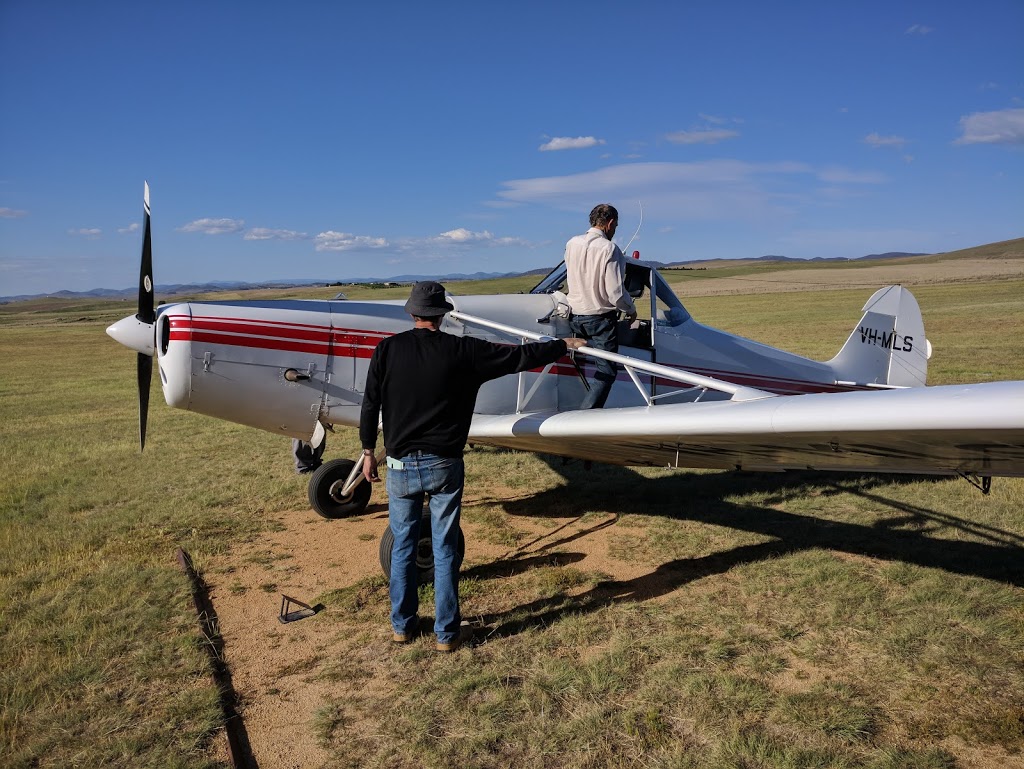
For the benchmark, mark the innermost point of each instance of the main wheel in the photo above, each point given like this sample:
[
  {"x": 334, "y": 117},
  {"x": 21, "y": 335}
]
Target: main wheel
[
  {"x": 424, "y": 551},
  {"x": 325, "y": 487}
]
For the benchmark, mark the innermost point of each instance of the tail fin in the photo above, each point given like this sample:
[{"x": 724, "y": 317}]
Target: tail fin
[{"x": 888, "y": 346}]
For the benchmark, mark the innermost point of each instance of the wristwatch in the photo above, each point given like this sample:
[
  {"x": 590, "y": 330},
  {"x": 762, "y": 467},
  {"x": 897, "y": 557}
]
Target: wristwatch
[{"x": 367, "y": 452}]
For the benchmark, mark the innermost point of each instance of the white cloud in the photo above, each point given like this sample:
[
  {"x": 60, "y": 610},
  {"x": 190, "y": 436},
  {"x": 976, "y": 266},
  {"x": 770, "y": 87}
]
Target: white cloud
[
  {"x": 919, "y": 29},
  {"x": 262, "y": 233},
  {"x": 214, "y": 226},
  {"x": 718, "y": 120},
  {"x": 702, "y": 136},
  {"x": 87, "y": 232},
  {"x": 12, "y": 213},
  {"x": 344, "y": 241},
  {"x": 713, "y": 190},
  {"x": 463, "y": 237},
  {"x": 1000, "y": 127},
  {"x": 570, "y": 143},
  {"x": 129, "y": 229},
  {"x": 713, "y": 119},
  {"x": 839, "y": 175},
  {"x": 876, "y": 140}
]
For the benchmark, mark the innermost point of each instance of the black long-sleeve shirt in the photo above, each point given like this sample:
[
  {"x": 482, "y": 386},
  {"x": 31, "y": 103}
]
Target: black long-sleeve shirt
[{"x": 427, "y": 381}]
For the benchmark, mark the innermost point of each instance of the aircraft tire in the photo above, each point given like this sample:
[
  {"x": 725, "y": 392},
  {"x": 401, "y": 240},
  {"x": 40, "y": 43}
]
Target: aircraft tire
[
  {"x": 424, "y": 551},
  {"x": 330, "y": 476}
]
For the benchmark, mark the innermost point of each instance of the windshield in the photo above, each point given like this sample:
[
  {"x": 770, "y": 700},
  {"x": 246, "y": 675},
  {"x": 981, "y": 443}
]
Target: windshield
[
  {"x": 669, "y": 311},
  {"x": 666, "y": 308},
  {"x": 552, "y": 282}
]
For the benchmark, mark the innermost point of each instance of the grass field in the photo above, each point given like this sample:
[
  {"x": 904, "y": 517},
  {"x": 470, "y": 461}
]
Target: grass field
[{"x": 790, "y": 621}]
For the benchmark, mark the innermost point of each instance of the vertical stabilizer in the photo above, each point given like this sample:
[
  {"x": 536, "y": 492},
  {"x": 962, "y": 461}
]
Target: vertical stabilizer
[{"x": 888, "y": 346}]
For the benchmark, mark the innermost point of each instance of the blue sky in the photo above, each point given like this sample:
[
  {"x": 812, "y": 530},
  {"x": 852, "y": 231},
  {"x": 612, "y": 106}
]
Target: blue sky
[{"x": 346, "y": 140}]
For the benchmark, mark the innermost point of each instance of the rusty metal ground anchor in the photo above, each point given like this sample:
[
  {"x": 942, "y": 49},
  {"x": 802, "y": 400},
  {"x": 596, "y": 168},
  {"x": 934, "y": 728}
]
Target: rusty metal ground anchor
[{"x": 294, "y": 616}]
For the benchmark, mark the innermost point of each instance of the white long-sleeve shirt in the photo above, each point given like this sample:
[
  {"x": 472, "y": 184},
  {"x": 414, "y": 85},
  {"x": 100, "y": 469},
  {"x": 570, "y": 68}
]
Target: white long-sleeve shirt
[{"x": 595, "y": 270}]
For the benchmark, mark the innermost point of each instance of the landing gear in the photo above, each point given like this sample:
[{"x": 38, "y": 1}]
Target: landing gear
[
  {"x": 424, "y": 551},
  {"x": 982, "y": 484},
  {"x": 327, "y": 489}
]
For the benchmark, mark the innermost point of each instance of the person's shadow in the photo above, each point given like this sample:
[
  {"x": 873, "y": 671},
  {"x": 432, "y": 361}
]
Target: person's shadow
[{"x": 999, "y": 555}]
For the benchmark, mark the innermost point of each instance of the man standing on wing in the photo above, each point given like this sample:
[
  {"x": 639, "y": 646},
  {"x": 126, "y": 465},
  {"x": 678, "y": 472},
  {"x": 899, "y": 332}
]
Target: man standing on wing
[
  {"x": 425, "y": 382},
  {"x": 595, "y": 269}
]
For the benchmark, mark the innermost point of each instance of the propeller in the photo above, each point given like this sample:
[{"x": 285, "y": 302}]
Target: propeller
[
  {"x": 146, "y": 314},
  {"x": 137, "y": 331}
]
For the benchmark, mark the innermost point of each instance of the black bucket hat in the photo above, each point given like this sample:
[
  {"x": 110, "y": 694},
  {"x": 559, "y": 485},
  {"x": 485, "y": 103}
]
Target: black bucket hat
[{"x": 427, "y": 300}]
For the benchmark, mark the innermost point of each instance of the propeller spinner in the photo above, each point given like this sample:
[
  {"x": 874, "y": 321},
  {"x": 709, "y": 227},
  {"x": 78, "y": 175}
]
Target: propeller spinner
[{"x": 137, "y": 331}]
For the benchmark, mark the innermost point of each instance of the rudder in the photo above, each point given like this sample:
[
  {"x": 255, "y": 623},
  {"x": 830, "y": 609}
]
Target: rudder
[{"x": 888, "y": 345}]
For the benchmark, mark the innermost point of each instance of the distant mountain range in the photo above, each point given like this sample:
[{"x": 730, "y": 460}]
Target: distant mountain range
[
  {"x": 176, "y": 289},
  {"x": 775, "y": 258}
]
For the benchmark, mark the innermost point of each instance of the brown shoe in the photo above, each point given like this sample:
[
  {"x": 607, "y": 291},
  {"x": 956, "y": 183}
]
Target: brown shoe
[
  {"x": 402, "y": 638},
  {"x": 464, "y": 637}
]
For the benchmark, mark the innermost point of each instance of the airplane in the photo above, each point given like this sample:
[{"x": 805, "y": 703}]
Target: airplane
[{"x": 687, "y": 395}]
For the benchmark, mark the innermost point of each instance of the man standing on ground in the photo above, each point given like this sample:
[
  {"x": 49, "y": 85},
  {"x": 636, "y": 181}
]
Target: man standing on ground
[
  {"x": 595, "y": 269},
  {"x": 426, "y": 382}
]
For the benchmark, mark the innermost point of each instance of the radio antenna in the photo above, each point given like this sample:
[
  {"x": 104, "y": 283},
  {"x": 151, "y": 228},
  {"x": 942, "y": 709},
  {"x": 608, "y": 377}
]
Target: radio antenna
[{"x": 639, "y": 203}]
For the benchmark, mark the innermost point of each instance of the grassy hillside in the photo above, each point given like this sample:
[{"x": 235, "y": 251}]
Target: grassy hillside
[{"x": 704, "y": 270}]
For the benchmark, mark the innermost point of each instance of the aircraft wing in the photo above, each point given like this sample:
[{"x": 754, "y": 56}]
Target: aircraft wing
[{"x": 955, "y": 429}]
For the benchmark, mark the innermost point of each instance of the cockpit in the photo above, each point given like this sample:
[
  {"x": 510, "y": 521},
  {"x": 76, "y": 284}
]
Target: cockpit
[{"x": 659, "y": 310}]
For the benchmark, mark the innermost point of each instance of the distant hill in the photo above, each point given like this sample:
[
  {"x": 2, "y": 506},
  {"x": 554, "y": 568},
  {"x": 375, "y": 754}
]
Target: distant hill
[
  {"x": 176, "y": 289},
  {"x": 786, "y": 259},
  {"x": 1006, "y": 249}
]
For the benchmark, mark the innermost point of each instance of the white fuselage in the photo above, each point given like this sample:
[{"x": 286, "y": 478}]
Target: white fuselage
[{"x": 283, "y": 365}]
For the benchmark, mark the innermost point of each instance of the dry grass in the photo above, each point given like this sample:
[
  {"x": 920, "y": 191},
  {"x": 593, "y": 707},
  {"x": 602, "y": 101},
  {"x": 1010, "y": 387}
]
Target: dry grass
[{"x": 795, "y": 620}]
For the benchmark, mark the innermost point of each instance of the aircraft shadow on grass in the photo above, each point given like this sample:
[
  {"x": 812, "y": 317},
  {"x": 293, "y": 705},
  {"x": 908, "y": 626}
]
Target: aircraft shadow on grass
[{"x": 903, "y": 537}]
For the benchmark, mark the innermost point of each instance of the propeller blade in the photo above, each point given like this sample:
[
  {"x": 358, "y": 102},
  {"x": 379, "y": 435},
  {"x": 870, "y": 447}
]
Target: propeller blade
[
  {"x": 147, "y": 306},
  {"x": 144, "y": 372},
  {"x": 147, "y": 314}
]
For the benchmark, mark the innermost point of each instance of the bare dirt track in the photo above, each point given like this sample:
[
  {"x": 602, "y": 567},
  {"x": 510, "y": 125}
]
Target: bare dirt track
[
  {"x": 273, "y": 664},
  {"x": 305, "y": 558}
]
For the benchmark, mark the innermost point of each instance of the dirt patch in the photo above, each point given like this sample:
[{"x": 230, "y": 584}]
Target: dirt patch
[{"x": 274, "y": 666}]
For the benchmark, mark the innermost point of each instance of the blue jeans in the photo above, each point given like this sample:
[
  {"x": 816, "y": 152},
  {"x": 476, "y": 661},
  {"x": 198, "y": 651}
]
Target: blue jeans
[
  {"x": 601, "y": 333},
  {"x": 442, "y": 478}
]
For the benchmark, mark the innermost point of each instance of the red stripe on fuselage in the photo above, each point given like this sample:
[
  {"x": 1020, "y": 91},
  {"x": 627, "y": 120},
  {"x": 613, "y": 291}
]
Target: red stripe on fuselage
[
  {"x": 275, "y": 335},
  {"x": 360, "y": 343}
]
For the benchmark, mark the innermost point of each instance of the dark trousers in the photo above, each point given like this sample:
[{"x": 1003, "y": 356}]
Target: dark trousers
[
  {"x": 307, "y": 459},
  {"x": 601, "y": 333}
]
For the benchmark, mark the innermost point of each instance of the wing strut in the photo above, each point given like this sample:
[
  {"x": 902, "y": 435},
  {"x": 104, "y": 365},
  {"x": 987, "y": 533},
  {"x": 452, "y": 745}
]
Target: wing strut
[{"x": 632, "y": 365}]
